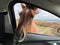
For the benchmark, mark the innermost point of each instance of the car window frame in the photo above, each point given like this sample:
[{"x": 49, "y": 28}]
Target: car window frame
[
  {"x": 12, "y": 15},
  {"x": 13, "y": 22}
]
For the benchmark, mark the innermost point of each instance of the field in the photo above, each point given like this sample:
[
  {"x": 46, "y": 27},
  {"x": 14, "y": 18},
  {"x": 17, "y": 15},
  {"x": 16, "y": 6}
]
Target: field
[{"x": 47, "y": 28}]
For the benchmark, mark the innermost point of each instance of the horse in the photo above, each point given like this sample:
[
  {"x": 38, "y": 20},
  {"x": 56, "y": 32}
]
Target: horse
[{"x": 26, "y": 23}]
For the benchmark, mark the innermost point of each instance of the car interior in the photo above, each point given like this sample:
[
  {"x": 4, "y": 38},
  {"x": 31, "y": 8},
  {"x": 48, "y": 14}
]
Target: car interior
[{"x": 29, "y": 22}]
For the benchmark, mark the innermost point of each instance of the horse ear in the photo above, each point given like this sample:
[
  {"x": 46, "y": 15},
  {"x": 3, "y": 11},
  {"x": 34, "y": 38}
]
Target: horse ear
[{"x": 23, "y": 5}]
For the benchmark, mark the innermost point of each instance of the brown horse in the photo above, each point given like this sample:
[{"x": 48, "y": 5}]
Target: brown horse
[{"x": 26, "y": 21}]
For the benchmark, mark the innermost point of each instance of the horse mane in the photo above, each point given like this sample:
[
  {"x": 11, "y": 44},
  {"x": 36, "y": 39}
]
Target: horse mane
[{"x": 24, "y": 21}]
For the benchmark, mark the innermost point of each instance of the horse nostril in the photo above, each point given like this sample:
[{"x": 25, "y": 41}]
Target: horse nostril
[{"x": 20, "y": 37}]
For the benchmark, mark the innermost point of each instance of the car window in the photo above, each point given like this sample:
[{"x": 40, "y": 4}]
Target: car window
[{"x": 37, "y": 21}]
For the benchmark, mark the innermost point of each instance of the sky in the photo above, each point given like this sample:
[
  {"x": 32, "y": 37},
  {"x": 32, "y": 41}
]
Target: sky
[{"x": 42, "y": 14}]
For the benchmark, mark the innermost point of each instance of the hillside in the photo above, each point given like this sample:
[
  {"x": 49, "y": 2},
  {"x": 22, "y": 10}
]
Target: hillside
[
  {"x": 48, "y": 28},
  {"x": 47, "y": 24}
]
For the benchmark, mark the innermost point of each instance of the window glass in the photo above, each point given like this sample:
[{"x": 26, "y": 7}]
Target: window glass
[{"x": 36, "y": 20}]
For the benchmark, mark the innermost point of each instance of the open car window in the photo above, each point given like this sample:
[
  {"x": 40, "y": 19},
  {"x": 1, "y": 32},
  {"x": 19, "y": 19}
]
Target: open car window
[{"x": 40, "y": 22}]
